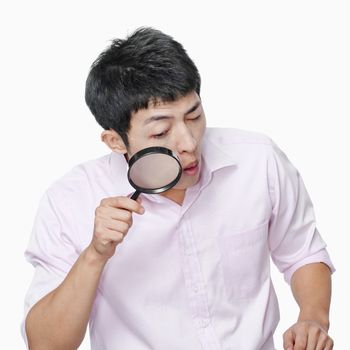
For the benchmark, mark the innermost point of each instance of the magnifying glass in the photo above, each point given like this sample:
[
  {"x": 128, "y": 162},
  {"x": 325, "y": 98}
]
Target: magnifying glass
[{"x": 153, "y": 170}]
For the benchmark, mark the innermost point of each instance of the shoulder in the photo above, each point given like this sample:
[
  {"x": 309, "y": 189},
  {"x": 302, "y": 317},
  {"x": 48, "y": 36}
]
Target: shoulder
[
  {"x": 81, "y": 180},
  {"x": 253, "y": 147},
  {"x": 231, "y": 136},
  {"x": 239, "y": 142}
]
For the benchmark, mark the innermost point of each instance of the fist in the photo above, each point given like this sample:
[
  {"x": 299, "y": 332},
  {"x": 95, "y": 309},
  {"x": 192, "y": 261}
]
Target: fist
[
  {"x": 307, "y": 335},
  {"x": 113, "y": 219}
]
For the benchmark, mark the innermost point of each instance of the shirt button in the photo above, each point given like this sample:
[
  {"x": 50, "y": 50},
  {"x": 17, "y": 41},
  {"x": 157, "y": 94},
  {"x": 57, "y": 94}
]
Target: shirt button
[
  {"x": 204, "y": 323},
  {"x": 187, "y": 252},
  {"x": 195, "y": 289}
]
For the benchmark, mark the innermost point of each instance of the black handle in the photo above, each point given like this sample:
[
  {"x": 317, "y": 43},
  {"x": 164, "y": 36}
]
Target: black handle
[{"x": 135, "y": 195}]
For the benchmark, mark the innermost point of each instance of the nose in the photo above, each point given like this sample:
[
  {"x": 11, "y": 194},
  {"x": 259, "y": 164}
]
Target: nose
[{"x": 186, "y": 143}]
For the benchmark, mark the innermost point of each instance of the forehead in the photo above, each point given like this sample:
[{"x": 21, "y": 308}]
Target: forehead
[
  {"x": 181, "y": 101},
  {"x": 179, "y": 106}
]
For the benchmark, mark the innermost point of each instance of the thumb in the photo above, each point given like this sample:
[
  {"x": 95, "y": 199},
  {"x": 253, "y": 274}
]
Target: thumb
[{"x": 288, "y": 340}]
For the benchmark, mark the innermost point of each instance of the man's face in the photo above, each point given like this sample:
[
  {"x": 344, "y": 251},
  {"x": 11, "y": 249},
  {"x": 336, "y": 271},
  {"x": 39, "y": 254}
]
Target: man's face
[{"x": 177, "y": 125}]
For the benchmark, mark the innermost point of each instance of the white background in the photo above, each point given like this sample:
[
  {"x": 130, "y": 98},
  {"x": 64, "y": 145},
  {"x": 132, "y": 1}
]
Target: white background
[{"x": 277, "y": 67}]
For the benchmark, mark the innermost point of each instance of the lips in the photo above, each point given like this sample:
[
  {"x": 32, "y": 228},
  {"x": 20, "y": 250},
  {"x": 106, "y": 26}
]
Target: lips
[{"x": 191, "y": 165}]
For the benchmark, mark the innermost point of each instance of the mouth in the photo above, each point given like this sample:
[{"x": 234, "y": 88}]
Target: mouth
[{"x": 192, "y": 168}]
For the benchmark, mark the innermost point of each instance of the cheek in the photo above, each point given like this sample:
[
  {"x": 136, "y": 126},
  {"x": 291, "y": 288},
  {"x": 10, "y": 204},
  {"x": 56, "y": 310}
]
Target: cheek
[
  {"x": 137, "y": 144},
  {"x": 199, "y": 131}
]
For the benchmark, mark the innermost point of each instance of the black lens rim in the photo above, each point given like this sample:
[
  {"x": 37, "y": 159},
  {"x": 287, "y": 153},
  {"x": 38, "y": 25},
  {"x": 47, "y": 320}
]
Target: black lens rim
[{"x": 148, "y": 151}]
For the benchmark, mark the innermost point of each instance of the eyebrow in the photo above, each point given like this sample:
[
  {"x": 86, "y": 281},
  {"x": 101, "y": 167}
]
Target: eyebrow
[{"x": 161, "y": 117}]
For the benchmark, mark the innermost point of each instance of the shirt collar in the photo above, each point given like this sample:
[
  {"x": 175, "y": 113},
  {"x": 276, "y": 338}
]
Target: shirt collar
[{"x": 215, "y": 156}]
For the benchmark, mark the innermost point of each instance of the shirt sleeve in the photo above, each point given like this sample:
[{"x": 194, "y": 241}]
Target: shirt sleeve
[
  {"x": 294, "y": 240},
  {"x": 50, "y": 251}
]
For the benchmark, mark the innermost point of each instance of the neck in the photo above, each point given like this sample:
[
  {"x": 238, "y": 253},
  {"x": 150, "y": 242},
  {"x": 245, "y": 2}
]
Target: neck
[{"x": 177, "y": 196}]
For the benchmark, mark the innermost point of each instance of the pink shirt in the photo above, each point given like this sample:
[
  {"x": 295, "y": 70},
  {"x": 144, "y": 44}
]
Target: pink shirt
[{"x": 195, "y": 276}]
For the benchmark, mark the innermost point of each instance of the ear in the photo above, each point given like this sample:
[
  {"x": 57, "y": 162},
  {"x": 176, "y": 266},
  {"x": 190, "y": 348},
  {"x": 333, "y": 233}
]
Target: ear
[{"x": 113, "y": 140}]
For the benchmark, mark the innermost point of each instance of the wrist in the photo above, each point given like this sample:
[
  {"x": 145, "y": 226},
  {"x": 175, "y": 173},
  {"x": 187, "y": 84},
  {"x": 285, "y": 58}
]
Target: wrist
[
  {"x": 93, "y": 258},
  {"x": 319, "y": 317}
]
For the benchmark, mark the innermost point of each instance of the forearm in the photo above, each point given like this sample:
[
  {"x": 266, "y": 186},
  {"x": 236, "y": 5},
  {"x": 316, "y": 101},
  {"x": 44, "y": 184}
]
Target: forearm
[
  {"x": 311, "y": 287},
  {"x": 59, "y": 320}
]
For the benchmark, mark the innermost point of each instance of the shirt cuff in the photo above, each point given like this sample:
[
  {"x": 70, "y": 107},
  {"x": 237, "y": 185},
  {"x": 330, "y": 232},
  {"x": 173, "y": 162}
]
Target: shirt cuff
[{"x": 319, "y": 257}]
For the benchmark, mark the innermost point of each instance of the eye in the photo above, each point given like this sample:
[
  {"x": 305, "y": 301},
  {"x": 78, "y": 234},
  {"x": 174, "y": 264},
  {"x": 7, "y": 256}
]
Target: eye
[
  {"x": 195, "y": 118},
  {"x": 160, "y": 135}
]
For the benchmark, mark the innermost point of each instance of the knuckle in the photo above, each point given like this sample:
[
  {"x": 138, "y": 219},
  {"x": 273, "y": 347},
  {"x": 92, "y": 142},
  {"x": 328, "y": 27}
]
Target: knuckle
[
  {"x": 118, "y": 201},
  {"x": 103, "y": 202},
  {"x": 124, "y": 227},
  {"x": 98, "y": 211},
  {"x": 300, "y": 343},
  {"x": 105, "y": 241},
  {"x": 128, "y": 215},
  {"x": 315, "y": 330},
  {"x": 98, "y": 233},
  {"x": 97, "y": 226},
  {"x": 324, "y": 336},
  {"x": 119, "y": 237},
  {"x": 286, "y": 333},
  {"x": 99, "y": 229}
]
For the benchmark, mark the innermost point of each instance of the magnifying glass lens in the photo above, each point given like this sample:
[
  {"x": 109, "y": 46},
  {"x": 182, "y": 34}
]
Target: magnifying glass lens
[{"x": 154, "y": 170}]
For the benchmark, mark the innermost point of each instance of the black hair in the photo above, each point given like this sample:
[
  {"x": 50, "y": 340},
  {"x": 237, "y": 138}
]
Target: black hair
[{"x": 148, "y": 66}]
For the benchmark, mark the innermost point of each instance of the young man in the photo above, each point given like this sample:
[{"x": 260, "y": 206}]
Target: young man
[{"x": 188, "y": 268}]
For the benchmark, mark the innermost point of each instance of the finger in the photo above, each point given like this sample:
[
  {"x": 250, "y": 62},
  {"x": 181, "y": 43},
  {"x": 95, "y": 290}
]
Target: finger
[
  {"x": 288, "y": 340},
  {"x": 322, "y": 341},
  {"x": 329, "y": 344},
  {"x": 118, "y": 226},
  {"x": 102, "y": 231},
  {"x": 124, "y": 203},
  {"x": 110, "y": 236},
  {"x": 108, "y": 213},
  {"x": 313, "y": 337},
  {"x": 122, "y": 215},
  {"x": 300, "y": 340}
]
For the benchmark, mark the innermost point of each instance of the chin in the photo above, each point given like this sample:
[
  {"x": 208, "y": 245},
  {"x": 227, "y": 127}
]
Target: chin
[{"x": 183, "y": 184}]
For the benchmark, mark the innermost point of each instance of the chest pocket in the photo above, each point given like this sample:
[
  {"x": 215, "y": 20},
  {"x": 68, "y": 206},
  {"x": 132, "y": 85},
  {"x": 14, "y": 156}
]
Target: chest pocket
[{"x": 245, "y": 261}]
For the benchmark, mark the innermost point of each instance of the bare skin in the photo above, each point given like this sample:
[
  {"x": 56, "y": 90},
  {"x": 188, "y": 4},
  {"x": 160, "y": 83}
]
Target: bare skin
[{"x": 311, "y": 287}]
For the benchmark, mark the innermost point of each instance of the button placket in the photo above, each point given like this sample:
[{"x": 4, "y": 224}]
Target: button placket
[
  {"x": 193, "y": 277},
  {"x": 196, "y": 289}
]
